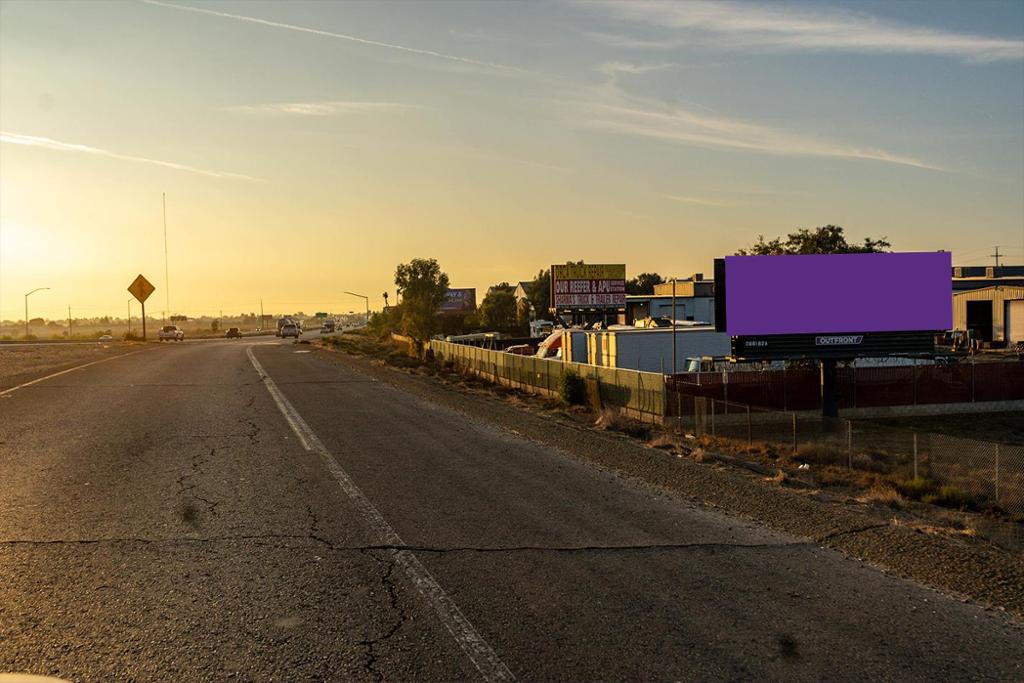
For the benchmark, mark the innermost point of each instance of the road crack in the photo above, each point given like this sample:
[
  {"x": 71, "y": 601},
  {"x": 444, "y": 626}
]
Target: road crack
[{"x": 394, "y": 606}]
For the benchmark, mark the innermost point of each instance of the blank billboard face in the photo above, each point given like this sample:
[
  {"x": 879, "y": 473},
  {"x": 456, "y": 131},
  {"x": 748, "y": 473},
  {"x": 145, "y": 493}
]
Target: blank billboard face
[{"x": 838, "y": 293}]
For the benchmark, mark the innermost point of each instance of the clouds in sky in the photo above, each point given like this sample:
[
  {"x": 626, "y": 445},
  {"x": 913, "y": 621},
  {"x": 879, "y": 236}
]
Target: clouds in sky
[
  {"x": 330, "y": 108},
  {"x": 700, "y": 201},
  {"x": 802, "y": 27},
  {"x": 610, "y": 109},
  {"x": 57, "y": 145}
]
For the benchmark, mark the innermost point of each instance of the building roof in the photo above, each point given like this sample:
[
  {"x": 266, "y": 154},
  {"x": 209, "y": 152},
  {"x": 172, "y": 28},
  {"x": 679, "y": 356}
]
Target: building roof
[{"x": 1015, "y": 288}]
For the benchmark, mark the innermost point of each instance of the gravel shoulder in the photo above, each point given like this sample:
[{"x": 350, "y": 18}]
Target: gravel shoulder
[
  {"x": 19, "y": 364},
  {"x": 967, "y": 567}
]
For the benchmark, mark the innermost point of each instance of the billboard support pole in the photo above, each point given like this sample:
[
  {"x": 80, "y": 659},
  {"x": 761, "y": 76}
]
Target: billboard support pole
[{"x": 829, "y": 388}]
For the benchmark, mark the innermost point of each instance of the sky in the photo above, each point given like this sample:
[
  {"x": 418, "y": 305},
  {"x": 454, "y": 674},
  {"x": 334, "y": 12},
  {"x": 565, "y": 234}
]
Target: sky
[{"x": 306, "y": 148}]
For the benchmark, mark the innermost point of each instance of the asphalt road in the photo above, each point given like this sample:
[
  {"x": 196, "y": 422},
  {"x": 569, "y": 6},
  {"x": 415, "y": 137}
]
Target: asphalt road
[{"x": 254, "y": 510}]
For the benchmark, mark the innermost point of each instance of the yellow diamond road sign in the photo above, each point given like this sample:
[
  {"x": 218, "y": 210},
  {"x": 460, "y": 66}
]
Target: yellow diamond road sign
[{"x": 141, "y": 289}]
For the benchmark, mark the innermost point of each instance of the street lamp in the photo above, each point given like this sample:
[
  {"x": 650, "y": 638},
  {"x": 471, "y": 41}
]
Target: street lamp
[
  {"x": 37, "y": 289},
  {"x": 367, "y": 299}
]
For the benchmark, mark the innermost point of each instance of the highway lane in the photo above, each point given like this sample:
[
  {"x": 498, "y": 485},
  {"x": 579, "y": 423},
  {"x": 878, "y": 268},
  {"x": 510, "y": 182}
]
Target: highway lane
[
  {"x": 159, "y": 518},
  {"x": 158, "y": 521}
]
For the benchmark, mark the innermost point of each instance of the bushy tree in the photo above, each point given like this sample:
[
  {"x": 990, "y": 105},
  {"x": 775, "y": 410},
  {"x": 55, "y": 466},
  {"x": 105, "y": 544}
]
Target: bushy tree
[
  {"x": 643, "y": 283},
  {"x": 828, "y": 239},
  {"x": 499, "y": 310},
  {"x": 539, "y": 293},
  {"x": 423, "y": 286}
]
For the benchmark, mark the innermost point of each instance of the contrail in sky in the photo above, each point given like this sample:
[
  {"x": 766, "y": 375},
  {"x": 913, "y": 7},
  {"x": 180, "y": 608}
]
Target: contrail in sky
[
  {"x": 48, "y": 143},
  {"x": 331, "y": 34}
]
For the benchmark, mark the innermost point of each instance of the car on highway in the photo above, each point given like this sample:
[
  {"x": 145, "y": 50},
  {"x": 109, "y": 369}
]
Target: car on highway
[
  {"x": 234, "y": 333},
  {"x": 328, "y": 327},
  {"x": 170, "y": 333},
  {"x": 290, "y": 330},
  {"x": 106, "y": 338}
]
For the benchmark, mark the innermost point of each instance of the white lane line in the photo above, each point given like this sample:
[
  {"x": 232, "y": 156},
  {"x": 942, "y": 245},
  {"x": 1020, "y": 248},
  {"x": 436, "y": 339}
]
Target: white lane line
[
  {"x": 5, "y": 392},
  {"x": 469, "y": 639}
]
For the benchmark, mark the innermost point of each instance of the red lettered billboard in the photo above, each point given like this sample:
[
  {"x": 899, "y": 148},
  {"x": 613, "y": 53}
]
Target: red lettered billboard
[{"x": 578, "y": 285}]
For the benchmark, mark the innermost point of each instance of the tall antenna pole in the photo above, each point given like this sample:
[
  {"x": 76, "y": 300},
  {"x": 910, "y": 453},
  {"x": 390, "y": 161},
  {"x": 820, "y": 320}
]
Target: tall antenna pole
[{"x": 167, "y": 282}]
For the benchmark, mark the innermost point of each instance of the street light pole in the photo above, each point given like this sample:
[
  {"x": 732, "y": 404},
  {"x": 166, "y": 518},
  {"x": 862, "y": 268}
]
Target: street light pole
[
  {"x": 367, "y": 299},
  {"x": 167, "y": 280},
  {"x": 37, "y": 289}
]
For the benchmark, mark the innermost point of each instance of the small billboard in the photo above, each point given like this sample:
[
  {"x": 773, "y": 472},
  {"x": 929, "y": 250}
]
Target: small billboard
[
  {"x": 834, "y": 294},
  {"x": 459, "y": 301},
  {"x": 589, "y": 285}
]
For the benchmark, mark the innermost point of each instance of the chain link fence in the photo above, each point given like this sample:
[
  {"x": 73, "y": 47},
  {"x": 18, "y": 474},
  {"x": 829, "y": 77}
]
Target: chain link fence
[
  {"x": 928, "y": 466},
  {"x": 972, "y": 471}
]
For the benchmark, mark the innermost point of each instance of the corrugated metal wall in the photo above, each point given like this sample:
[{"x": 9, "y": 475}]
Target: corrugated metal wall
[{"x": 998, "y": 295}]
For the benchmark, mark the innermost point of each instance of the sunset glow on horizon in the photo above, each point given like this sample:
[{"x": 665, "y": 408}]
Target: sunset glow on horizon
[{"x": 307, "y": 148}]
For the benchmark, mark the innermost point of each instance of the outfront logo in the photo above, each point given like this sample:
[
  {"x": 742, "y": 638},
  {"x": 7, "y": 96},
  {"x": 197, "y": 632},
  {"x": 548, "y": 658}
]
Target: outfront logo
[{"x": 839, "y": 340}]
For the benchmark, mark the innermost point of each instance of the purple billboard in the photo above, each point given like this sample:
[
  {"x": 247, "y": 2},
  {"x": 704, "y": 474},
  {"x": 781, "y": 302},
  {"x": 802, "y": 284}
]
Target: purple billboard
[
  {"x": 459, "y": 300},
  {"x": 834, "y": 293}
]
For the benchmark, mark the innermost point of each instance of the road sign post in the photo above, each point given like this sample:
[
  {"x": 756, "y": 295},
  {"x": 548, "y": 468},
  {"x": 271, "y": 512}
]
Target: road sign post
[{"x": 141, "y": 288}]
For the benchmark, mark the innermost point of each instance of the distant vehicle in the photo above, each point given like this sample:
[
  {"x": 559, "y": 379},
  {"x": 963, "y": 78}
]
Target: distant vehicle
[
  {"x": 281, "y": 322},
  {"x": 290, "y": 330},
  {"x": 234, "y": 332},
  {"x": 328, "y": 327},
  {"x": 106, "y": 337},
  {"x": 170, "y": 333}
]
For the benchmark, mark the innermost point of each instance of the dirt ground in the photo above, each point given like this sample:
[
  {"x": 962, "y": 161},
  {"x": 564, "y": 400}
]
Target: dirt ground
[
  {"x": 1007, "y": 428},
  {"x": 24, "y": 363}
]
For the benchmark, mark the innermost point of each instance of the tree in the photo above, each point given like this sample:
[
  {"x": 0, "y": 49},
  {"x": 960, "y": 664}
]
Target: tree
[
  {"x": 539, "y": 293},
  {"x": 643, "y": 283},
  {"x": 828, "y": 239},
  {"x": 423, "y": 286},
  {"x": 499, "y": 310}
]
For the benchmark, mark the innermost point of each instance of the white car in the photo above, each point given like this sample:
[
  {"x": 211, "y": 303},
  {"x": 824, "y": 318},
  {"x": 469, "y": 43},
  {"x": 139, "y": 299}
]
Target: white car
[
  {"x": 105, "y": 338},
  {"x": 291, "y": 330},
  {"x": 170, "y": 333}
]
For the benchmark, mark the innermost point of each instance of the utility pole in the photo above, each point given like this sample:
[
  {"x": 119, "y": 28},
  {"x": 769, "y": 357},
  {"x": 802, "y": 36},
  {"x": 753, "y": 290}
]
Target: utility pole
[
  {"x": 129, "y": 316},
  {"x": 69, "y": 321},
  {"x": 167, "y": 282},
  {"x": 996, "y": 256},
  {"x": 673, "y": 326},
  {"x": 263, "y": 321}
]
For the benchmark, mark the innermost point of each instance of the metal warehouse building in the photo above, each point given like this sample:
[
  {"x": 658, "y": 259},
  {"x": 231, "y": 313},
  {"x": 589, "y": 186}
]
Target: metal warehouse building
[{"x": 995, "y": 313}]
